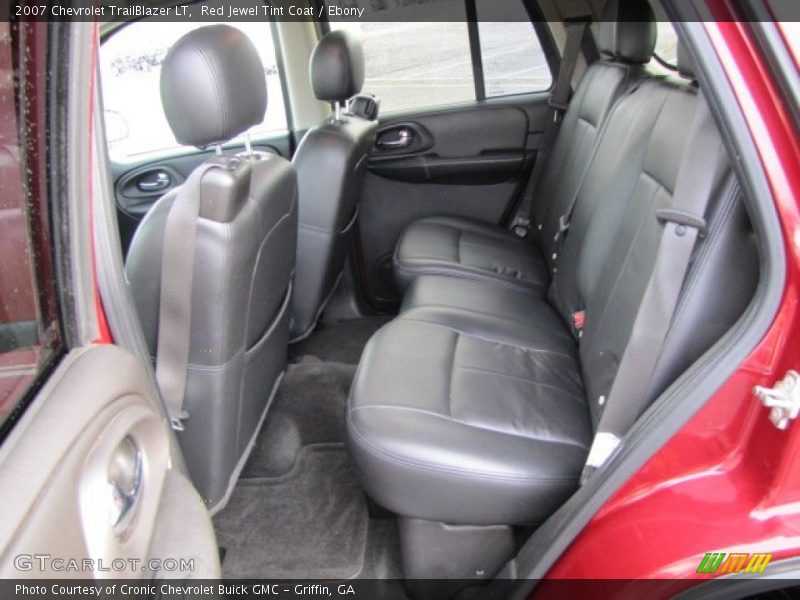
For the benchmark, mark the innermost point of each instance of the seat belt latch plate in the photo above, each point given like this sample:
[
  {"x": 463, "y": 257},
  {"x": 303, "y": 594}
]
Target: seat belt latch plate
[{"x": 603, "y": 446}]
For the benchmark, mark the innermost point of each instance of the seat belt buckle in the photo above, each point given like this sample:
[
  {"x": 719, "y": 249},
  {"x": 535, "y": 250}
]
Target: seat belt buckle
[
  {"x": 558, "y": 109},
  {"x": 521, "y": 226}
]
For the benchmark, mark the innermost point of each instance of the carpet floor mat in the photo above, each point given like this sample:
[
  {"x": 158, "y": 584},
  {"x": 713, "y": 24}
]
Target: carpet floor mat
[
  {"x": 310, "y": 523},
  {"x": 339, "y": 341},
  {"x": 298, "y": 511},
  {"x": 308, "y": 409}
]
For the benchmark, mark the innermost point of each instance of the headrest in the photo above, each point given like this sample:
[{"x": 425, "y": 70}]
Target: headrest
[
  {"x": 627, "y": 30},
  {"x": 337, "y": 67},
  {"x": 213, "y": 86},
  {"x": 685, "y": 63}
]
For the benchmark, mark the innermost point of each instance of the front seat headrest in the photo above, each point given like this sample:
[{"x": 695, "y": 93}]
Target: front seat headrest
[
  {"x": 213, "y": 86},
  {"x": 337, "y": 67},
  {"x": 685, "y": 62},
  {"x": 627, "y": 31}
]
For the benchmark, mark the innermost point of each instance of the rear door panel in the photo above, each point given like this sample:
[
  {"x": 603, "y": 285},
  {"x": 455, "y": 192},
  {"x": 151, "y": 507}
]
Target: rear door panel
[
  {"x": 471, "y": 162},
  {"x": 95, "y": 423}
]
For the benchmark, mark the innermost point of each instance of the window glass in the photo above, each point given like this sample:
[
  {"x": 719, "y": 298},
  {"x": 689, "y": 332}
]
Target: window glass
[
  {"x": 413, "y": 65},
  {"x": 130, "y": 66},
  {"x": 511, "y": 54},
  {"x": 667, "y": 43},
  {"x": 29, "y": 333}
]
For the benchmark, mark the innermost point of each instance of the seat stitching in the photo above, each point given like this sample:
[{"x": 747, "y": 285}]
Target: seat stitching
[
  {"x": 633, "y": 245},
  {"x": 528, "y": 381},
  {"x": 621, "y": 270},
  {"x": 464, "y": 272},
  {"x": 561, "y": 335},
  {"x": 452, "y": 372},
  {"x": 359, "y": 437},
  {"x": 482, "y": 475},
  {"x": 431, "y": 413},
  {"x": 485, "y": 339}
]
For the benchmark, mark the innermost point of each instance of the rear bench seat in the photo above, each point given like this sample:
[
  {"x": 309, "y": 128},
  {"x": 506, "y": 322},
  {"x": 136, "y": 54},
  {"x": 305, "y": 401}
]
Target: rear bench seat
[
  {"x": 472, "y": 249},
  {"x": 477, "y": 405}
]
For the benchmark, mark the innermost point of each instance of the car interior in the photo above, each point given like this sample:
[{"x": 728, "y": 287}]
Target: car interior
[{"x": 389, "y": 340}]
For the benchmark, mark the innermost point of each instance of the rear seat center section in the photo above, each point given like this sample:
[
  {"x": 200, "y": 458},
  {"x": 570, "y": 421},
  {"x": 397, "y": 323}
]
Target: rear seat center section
[
  {"x": 472, "y": 413},
  {"x": 469, "y": 249}
]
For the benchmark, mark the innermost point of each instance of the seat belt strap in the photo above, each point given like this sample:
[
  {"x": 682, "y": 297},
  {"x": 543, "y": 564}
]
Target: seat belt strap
[
  {"x": 683, "y": 224},
  {"x": 175, "y": 304},
  {"x": 559, "y": 101},
  {"x": 565, "y": 219}
]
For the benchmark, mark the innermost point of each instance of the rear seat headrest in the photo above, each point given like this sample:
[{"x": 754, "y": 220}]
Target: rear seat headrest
[
  {"x": 685, "y": 63},
  {"x": 337, "y": 67},
  {"x": 627, "y": 30},
  {"x": 213, "y": 86}
]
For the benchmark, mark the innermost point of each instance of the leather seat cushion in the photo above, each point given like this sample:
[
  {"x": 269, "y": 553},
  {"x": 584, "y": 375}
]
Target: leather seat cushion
[
  {"x": 517, "y": 307},
  {"x": 470, "y": 249},
  {"x": 485, "y": 422}
]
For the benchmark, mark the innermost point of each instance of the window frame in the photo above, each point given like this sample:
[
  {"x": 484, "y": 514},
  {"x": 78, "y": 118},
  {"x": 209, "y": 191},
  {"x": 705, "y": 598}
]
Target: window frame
[
  {"x": 541, "y": 31},
  {"x": 32, "y": 52}
]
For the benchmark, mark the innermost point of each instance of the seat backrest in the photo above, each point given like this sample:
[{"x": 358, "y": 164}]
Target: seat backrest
[
  {"x": 626, "y": 37},
  {"x": 213, "y": 88},
  {"x": 610, "y": 251},
  {"x": 330, "y": 163}
]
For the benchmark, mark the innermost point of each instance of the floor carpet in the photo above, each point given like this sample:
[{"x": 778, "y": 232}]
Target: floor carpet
[
  {"x": 298, "y": 510},
  {"x": 340, "y": 341},
  {"x": 309, "y": 524}
]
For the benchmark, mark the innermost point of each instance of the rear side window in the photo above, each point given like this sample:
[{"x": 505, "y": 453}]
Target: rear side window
[
  {"x": 29, "y": 330},
  {"x": 512, "y": 58},
  {"x": 130, "y": 68},
  {"x": 667, "y": 43},
  {"x": 417, "y": 65},
  {"x": 434, "y": 70}
]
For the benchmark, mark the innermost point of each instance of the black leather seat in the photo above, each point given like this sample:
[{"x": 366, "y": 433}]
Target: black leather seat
[
  {"x": 458, "y": 247},
  {"x": 213, "y": 88},
  {"x": 477, "y": 405},
  {"x": 330, "y": 163}
]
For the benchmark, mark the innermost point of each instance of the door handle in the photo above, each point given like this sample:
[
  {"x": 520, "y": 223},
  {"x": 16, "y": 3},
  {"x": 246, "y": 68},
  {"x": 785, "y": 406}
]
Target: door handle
[
  {"x": 155, "y": 183},
  {"x": 403, "y": 140},
  {"x": 125, "y": 482}
]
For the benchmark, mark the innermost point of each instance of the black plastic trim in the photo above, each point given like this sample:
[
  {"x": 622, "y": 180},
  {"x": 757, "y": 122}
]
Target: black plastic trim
[{"x": 475, "y": 50}]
